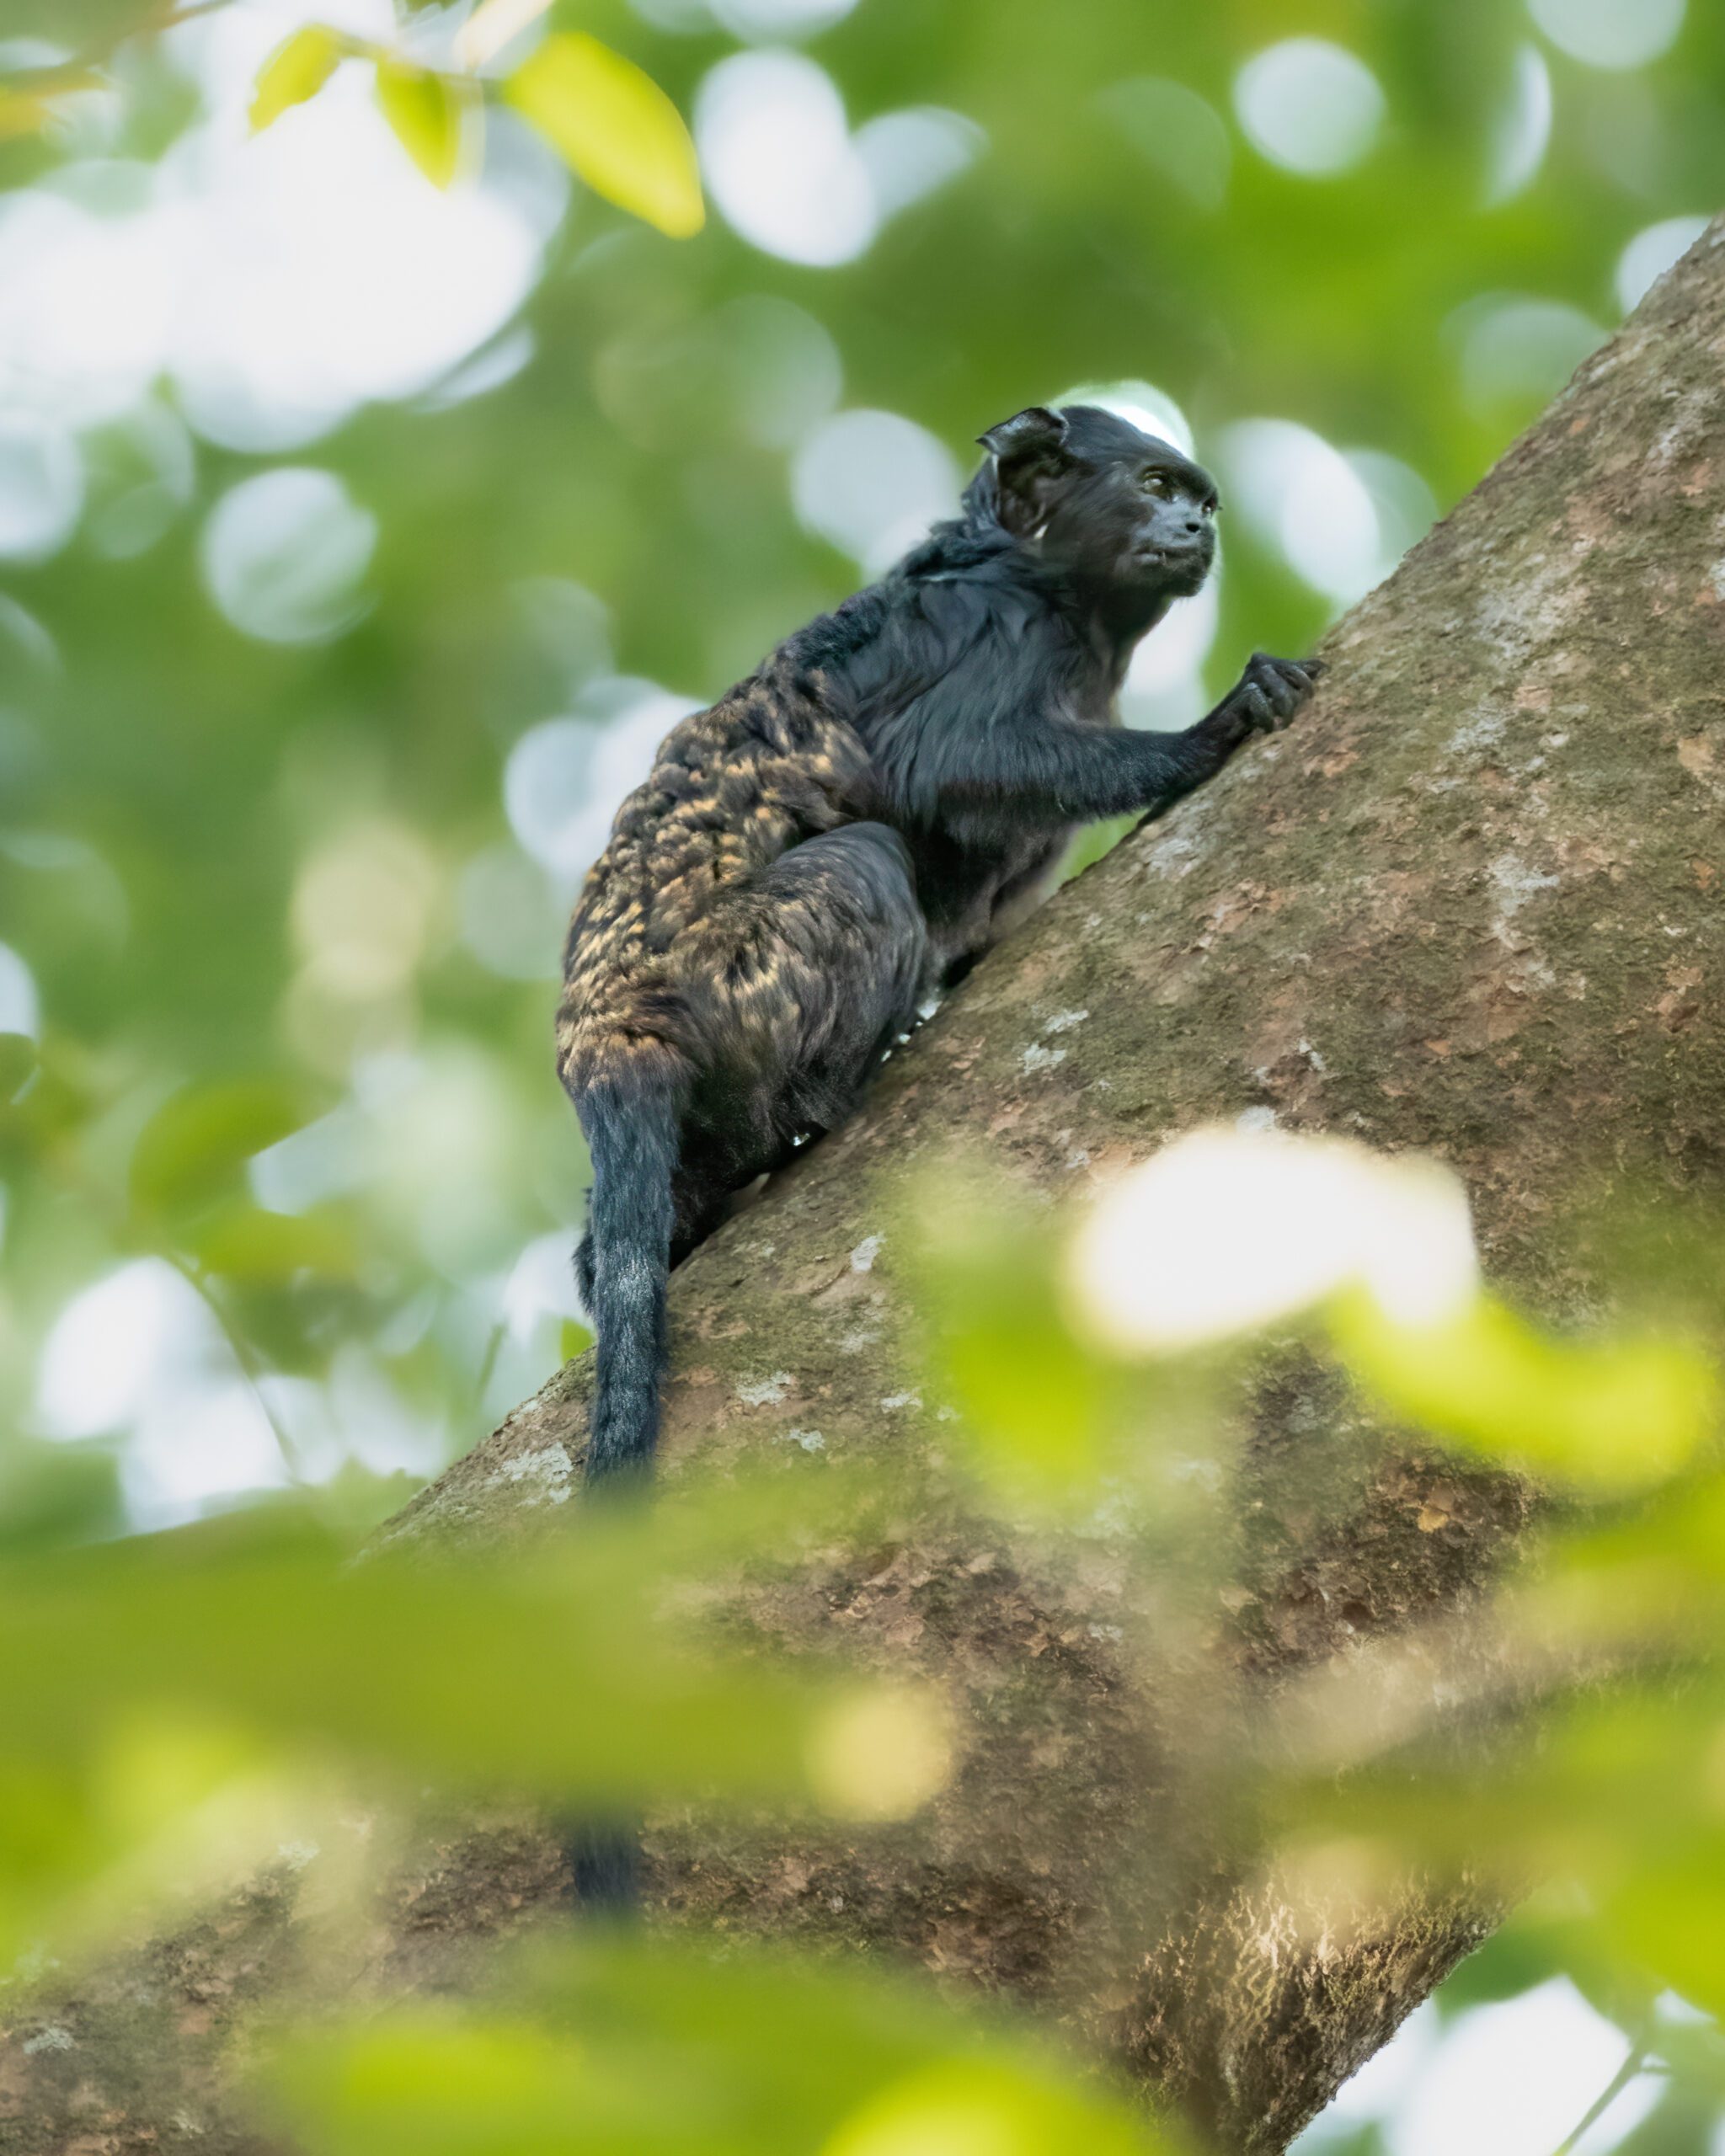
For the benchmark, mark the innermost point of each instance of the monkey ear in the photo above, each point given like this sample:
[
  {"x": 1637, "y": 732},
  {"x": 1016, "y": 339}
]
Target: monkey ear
[
  {"x": 1029, "y": 456},
  {"x": 1035, "y": 431}
]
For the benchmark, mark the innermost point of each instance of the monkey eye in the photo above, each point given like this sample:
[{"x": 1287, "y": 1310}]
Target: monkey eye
[
  {"x": 1158, "y": 483},
  {"x": 1210, "y": 507}
]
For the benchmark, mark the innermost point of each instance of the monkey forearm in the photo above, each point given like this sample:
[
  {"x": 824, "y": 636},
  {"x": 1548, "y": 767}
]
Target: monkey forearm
[
  {"x": 1064, "y": 773},
  {"x": 1077, "y": 774}
]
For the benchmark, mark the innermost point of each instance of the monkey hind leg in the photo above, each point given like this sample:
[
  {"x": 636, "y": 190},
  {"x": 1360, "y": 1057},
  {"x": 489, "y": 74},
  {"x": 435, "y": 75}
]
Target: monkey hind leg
[{"x": 854, "y": 947}]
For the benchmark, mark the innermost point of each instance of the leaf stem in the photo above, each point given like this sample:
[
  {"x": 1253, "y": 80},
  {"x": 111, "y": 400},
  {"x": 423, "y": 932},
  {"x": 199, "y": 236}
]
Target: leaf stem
[
  {"x": 72, "y": 72},
  {"x": 1632, "y": 2066},
  {"x": 250, "y": 1367}
]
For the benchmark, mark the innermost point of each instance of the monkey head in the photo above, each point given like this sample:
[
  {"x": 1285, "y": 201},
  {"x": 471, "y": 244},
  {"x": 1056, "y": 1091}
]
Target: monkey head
[{"x": 1124, "y": 515}]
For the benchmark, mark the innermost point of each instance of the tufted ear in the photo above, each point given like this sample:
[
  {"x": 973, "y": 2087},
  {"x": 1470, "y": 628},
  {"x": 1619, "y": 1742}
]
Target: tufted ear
[
  {"x": 1029, "y": 455},
  {"x": 1036, "y": 431}
]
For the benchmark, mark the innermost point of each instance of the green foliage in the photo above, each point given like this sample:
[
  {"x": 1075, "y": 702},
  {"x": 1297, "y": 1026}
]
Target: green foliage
[
  {"x": 616, "y": 128},
  {"x": 411, "y": 1661},
  {"x": 193, "y": 1150},
  {"x": 1050, "y": 1429},
  {"x": 428, "y": 113},
  {"x": 1612, "y": 1413},
  {"x": 297, "y": 69},
  {"x": 259, "y": 1642},
  {"x": 772, "y": 2054}
]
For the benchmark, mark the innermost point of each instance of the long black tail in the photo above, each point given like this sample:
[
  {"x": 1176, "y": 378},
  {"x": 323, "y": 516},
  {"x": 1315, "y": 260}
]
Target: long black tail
[{"x": 633, "y": 1121}]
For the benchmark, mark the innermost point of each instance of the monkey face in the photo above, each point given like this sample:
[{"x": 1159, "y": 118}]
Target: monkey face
[{"x": 1124, "y": 513}]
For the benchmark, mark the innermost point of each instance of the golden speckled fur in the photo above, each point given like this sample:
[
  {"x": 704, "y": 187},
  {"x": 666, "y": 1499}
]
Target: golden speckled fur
[{"x": 731, "y": 788}]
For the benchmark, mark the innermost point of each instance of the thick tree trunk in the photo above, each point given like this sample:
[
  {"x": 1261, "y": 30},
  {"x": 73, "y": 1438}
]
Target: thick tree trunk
[{"x": 1468, "y": 905}]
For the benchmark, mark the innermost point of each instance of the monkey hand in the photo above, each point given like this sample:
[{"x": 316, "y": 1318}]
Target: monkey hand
[{"x": 1270, "y": 693}]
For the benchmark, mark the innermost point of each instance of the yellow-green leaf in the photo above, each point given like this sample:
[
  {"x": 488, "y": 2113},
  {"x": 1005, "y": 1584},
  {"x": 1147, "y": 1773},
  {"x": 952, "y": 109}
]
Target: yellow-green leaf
[
  {"x": 20, "y": 114},
  {"x": 615, "y": 126},
  {"x": 297, "y": 70},
  {"x": 426, "y": 112},
  {"x": 1621, "y": 1413}
]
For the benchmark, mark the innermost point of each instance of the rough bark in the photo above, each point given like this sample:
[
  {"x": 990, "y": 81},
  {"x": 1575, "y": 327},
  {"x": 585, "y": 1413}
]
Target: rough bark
[{"x": 1467, "y": 905}]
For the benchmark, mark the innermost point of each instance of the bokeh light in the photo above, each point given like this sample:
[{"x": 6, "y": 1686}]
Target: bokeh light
[
  {"x": 1519, "y": 351},
  {"x": 789, "y": 174},
  {"x": 42, "y": 486},
  {"x": 1650, "y": 253},
  {"x": 1523, "y": 133},
  {"x": 285, "y": 555},
  {"x": 1164, "y": 684},
  {"x": 1301, "y": 495},
  {"x": 778, "y": 157},
  {"x": 1310, "y": 106},
  {"x": 282, "y": 282},
  {"x": 871, "y": 484},
  {"x": 564, "y": 778},
  {"x": 1610, "y": 34},
  {"x": 1232, "y": 1227},
  {"x": 1141, "y": 403},
  {"x": 20, "y": 1004},
  {"x": 772, "y": 18}
]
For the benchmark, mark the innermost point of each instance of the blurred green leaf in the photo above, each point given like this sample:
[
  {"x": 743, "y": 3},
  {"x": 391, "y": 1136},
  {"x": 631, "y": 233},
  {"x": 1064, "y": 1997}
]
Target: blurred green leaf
[
  {"x": 258, "y": 1249},
  {"x": 20, "y": 114},
  {"x": 51, "y": 1495},
  {"x": 1046, "y": 1423},
  {"x": 297, "y": 69},
  {"x": 428, "y": 113},
  {"x": 154, "y": 1802},
  {"x": 1037, "y": 1409},
  {"x": 559, "y": 1672},
  {"x": 652, "y": 2048},
  {"x": 573, "y": 1340},
  {"x": 1612, "y": 1414},
  {"x": 194, "y": 1149},
  {"x": 615, "y": 126},
  {"x": 18, "y": 1063}
]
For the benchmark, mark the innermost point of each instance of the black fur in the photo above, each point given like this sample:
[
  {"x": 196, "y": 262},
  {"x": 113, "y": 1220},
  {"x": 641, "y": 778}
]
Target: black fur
[{"x": 848, "y": 829}]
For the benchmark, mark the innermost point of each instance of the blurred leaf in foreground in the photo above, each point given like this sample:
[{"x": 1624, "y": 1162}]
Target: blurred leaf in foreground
[
  {"x": 631, "y": 2045},
  {"x": 297, "y": 69},
  {"x": 557, "y": 1670},
  {"x": 193, "y": 1150},
  {"x": 427, "y": 113},
  {"x": 1610, "y": 1413},
  {"x": 21, "y": 115},
  {"x": 1225, "y": 1233},
  {"x": 563, "y": 1671},
  {"x": 615, "y": 127}
]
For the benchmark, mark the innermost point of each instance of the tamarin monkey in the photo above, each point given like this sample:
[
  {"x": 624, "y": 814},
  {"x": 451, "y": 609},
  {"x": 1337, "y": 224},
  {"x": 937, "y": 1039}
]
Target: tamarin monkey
[{"x": 846, "y": 831}]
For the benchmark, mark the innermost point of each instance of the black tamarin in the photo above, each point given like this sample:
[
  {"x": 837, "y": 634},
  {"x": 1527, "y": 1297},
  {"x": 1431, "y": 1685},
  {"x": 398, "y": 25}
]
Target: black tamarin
[{"x": 845, "y": 832}]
